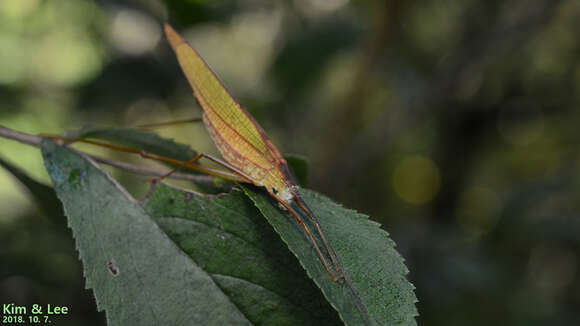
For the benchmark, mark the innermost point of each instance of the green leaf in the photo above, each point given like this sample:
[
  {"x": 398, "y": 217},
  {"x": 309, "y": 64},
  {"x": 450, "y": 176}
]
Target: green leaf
[
  {"x": 227, "y": 236},
  {"x": 230, "y": 241},
  {"x": 375, "y": 291},
  {"x": 138, "y": 275}
]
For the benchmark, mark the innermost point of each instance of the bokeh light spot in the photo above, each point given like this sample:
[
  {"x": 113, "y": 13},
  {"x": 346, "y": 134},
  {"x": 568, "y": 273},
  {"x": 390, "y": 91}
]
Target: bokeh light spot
[
  {"x": 17, "y": 9},
  {"x": 478, "y": 210},
  {"x": 416, "y": 180},
  {"x": 521, "y": 122},
  {"x": 134, "y": 33},
  {"x": 319, "y": 7},
  {"x": 64, "y": 58}
]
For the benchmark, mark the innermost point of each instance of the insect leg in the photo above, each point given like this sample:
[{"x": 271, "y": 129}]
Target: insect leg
[
  {"x": 211, "y": 158},
  {"x": 193, "y": 160},
  {"x": 227, "y": 166}
]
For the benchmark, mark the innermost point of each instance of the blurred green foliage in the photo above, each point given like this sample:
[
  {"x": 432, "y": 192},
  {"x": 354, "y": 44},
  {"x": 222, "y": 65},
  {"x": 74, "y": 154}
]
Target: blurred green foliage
[{"x": 453, "y": 123}]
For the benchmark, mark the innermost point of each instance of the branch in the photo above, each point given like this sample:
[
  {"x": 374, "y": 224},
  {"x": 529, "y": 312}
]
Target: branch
[
  {"x": 27, "y": 139},
  {"x": 35, "y": 141}
]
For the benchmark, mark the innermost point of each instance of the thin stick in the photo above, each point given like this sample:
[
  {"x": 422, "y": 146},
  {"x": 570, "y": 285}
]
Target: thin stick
[{"x": 20, "y": 136}]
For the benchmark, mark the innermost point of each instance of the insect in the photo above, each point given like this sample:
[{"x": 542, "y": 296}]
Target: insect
[{"x": 244, "y": 145}]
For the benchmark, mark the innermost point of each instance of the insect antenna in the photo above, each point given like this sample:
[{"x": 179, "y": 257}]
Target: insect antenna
[
  {"x": 300, "y": 221},
  {"x": 309, "y": 213}
]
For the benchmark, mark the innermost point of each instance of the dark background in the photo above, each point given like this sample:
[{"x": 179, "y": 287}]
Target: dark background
[{"x": 453, "y": 123}]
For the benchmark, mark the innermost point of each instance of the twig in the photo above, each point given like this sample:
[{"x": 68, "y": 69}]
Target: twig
[
  {"x": 35, "y": 141},
  {"x": 20, "y": 136}
]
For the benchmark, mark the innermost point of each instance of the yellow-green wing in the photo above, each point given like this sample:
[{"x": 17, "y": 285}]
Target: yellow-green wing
[{"x": 236, "y": 134}]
